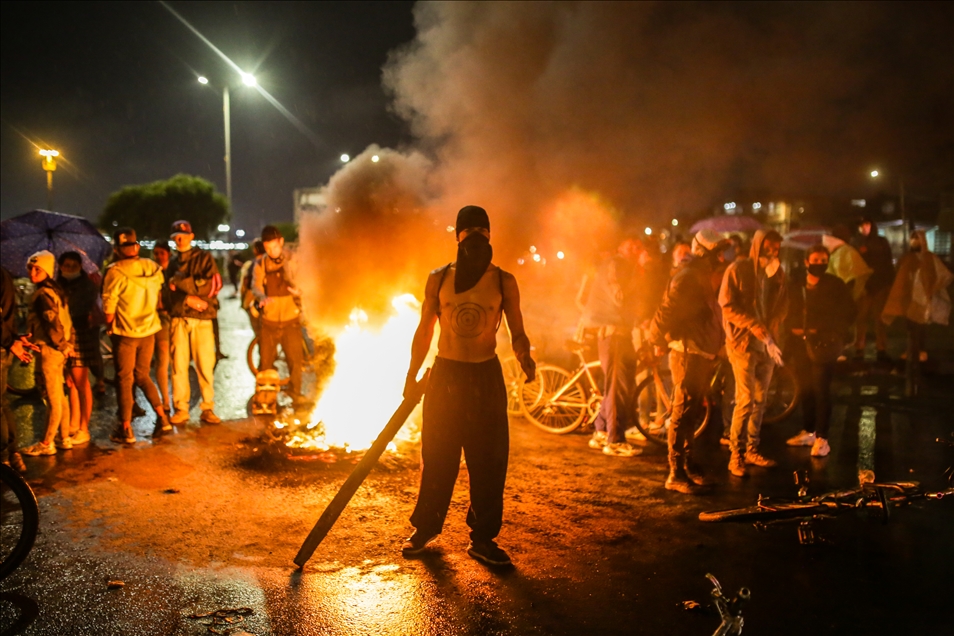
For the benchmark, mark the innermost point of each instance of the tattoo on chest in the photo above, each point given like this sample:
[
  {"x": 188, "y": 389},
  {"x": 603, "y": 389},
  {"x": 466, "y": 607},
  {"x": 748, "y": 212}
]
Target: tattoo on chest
[{"x": 468, "y": 320}]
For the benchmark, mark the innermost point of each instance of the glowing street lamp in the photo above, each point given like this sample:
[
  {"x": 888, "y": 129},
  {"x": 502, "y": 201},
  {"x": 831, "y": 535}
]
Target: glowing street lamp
[
  {"x": 345, "y": 158},
  {"x": 648, "y": 231},
  {"x": 248, "y": 79},
  {"x": 203, "y": 80},
  {"x": 49, "y": 165},
  {"x": 875, "y": 174},
  {"x": 223, "y": 227},
  {"x": 675, "y": 222},
  {"x": 375, "y": 159}
]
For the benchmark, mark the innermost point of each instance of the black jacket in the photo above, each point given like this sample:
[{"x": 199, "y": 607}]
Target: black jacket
[
  {"x": 689, "y": 310},
  {"x": 193, "y": 274},
  {"x": 830, "y": 309},
  {"x": 877, "y": 254}
]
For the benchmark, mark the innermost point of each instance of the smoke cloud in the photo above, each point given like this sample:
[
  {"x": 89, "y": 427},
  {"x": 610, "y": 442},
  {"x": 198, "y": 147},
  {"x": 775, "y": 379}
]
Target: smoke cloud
[{"x": 569, "y": 121}]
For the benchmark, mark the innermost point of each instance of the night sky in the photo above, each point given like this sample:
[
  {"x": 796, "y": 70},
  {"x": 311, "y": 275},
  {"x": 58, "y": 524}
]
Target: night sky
[
  {"x": 662, "y": 109},
  {"x": 113, "y": 87}
]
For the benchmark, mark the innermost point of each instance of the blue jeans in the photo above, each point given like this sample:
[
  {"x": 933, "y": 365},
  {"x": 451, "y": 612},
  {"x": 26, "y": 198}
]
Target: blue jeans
[
  {"x": 618, "y": 360},
  {"x": 753, "y": 374}
]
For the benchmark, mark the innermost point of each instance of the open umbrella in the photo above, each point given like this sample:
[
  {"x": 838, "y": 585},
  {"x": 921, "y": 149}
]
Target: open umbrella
[
  {"x": 728, "y": 223},
  {"x": 24, "y": 235},
  {"x": 804, "y": 238}
]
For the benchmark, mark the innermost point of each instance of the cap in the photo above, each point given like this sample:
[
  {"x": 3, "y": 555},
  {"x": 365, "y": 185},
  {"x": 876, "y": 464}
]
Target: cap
[
  {"x": 181, "y": 227},
  {"x": 124, "y": 236},
  {"x": 44, "y": 260},
  {"x": 472, "y": 216},
  {"x": 705, "y": 240}
]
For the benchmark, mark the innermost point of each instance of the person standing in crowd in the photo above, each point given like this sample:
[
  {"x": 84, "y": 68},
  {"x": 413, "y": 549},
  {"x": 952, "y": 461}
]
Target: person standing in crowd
[
  {"x": 275, "y": 291},
  {"x": 245, "y": 293},
  {"x": 919, "y": 293},
  {"x": 818, "y": 320},
  {"x": 689, "y": 324},
  {"x": 877, "y": 254},
  {"x": 465, "y": 404},
  {"x": 734, "y": 252},
  {"x": 754, "y": 301},
  {"x": 131, "y": 290},
  {"x": 611, "y": 311},
  {"x": 846, "y": 262},
  {"x": 681, "y": 254},
  {"x": 192, "y": 283},
  {"x": 82, "y": 297},
  {"x": 162, "y": 255},
  {"x": 52, "y": 329},
  {"x": 11, "y": 346}
]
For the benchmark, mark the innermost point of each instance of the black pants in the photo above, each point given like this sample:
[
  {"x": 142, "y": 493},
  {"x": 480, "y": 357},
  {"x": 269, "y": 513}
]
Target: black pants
[
  {"x": 133, "y": 357},
  {"x": 8, "y": 427},
  {"x": 814, "y": 382},
  {"x": 465, "y": 408},
  {"x": 288, "y": 335},
  {"x": 691, "y": 375}
]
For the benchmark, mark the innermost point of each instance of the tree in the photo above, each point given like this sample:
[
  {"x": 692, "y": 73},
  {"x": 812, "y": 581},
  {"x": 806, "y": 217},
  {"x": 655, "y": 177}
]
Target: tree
[{"x": 152, "y": 208}]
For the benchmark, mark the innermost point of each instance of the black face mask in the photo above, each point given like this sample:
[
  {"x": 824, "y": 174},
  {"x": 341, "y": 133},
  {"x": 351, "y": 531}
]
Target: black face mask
[
  {"x": 817, "y": 269},
  {"x": 915, "y": 248},
  {"x": 474, "y": 254}
]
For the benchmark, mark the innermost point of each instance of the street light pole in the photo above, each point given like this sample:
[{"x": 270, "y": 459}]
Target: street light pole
[{"x": 228, "y": 145}]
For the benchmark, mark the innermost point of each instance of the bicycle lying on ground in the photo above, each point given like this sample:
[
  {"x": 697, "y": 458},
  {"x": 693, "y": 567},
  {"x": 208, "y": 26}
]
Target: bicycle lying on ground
[
  {"x": 730, "y": 609},
  {"x": 879, "y": 498},
  {"x": 19, "y": 520}
]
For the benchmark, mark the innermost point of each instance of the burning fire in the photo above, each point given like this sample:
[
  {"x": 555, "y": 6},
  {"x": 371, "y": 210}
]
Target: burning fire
[{"x": 368, "y": 383}]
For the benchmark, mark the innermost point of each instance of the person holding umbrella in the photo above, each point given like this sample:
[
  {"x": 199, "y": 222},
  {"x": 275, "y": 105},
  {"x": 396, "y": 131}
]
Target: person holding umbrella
[{"x": 52, "y": 328}]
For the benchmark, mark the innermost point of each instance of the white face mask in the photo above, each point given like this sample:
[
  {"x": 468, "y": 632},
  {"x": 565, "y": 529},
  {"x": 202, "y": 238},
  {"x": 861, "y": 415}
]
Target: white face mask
[{"x": 771, "y": 266}]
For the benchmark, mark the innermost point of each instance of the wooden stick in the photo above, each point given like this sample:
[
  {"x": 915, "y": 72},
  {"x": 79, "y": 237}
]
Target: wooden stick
[{"x": 359, "y": 474}]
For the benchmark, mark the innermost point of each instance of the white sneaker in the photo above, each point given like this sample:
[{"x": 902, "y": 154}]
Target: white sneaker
[
  {"x": 635, "y": 435},
  {"x": 622, "y": 449},
  {"x": 820, "y": 448},
  {"x": 598, "y": 440},
  {"x": 802, "y": 439}
]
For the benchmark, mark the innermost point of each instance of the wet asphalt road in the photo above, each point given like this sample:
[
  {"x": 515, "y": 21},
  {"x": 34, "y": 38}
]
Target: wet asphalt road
[{"x": 204, "y": 519}]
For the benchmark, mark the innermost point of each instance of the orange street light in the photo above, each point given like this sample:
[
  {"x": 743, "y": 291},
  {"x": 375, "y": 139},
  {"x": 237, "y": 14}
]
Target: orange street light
[{"x": 49, "y": 166}]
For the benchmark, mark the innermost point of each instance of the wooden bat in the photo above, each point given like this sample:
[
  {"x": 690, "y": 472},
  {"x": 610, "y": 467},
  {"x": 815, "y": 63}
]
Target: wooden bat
[{"x": 359, "y": 474}]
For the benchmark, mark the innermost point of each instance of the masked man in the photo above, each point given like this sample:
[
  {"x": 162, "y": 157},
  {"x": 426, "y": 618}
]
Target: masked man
[
  {"x": 194, "y": 281},
  {"x": 465, "y": 404},
  {"x": 273, "y": 285},
  {"x": 754, "y": 300},
  {"x": 131, "y": 290},
  {"x": 689, "y": 324}
]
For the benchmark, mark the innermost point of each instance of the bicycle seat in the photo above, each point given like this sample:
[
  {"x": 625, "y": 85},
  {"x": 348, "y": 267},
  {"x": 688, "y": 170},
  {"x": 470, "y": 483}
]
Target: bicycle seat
[{"x": 574, "y": 345}]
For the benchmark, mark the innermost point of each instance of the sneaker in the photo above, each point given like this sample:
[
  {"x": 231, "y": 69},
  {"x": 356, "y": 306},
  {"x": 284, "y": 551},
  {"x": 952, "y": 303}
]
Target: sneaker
[
  {"x": 724, "y": 441},
  {"x": 695, "y": 474},
  {"x": 820, "y": 448},
  {"x": 180, "y": 417},
  {"x": 64, "y": 444},
  {"x": 209, "y": 417},
  {"x": 416, "y": 544},
  {"x": 755, "y": 458},
  {"x": 737, "y": 466},
  {"x": 119, "y": 436},
  {"x": 489, "y": 553},
  {"x": 81, "y": 437},
  {"x": 623, "y": 449},
  {"x": 39, "y": 449},
  {"x": 16, "y": 462},
  {"x": 802, "y": 439},
  {"x": 635, "y": 435},
  {"x": 162, "y": 422},
  {"x": 598, "y": 441},
  {"x": 681, "y": 483}
]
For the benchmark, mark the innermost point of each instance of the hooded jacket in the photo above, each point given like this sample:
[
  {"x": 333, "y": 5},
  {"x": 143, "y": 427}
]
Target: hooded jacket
[
  {"x": 49, "y": 319},
  {"x": 919, "y": 292},
  {"x": 689, "y": 313},
  {"x": 131, "y": 291},
  {"x": 749, "y": 298}
]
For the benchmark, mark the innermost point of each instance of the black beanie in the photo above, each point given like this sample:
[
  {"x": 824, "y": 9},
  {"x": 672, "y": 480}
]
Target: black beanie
[{"x": 472, "y": 216}]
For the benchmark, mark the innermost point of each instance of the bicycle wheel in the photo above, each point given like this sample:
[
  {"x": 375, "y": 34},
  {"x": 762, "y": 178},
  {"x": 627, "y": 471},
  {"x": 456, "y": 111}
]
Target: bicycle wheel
[
  {"x": 252, "y": 357},
  {"x": 551, "y": 402},
  {"x": 782, "y": 395},
  {"x": 653, "y": 416},
  {"x": 766, "y": 512},
  {"x": 513, "y": 378},
  {"x": 19, "y": 520}
]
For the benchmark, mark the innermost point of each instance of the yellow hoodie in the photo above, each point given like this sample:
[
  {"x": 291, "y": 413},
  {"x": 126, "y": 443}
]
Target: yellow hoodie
[{"x": 131, "y": 292}]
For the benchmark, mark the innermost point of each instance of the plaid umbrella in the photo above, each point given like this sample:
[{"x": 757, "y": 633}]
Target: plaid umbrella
[{"x": 24, "y": 235}]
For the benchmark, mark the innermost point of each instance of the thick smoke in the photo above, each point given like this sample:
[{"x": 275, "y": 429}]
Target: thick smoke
[{"x": 569, "y": 121}]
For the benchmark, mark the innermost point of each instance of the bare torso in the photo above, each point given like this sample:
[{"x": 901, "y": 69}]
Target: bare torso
[{"x": 469, "y": 321}]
